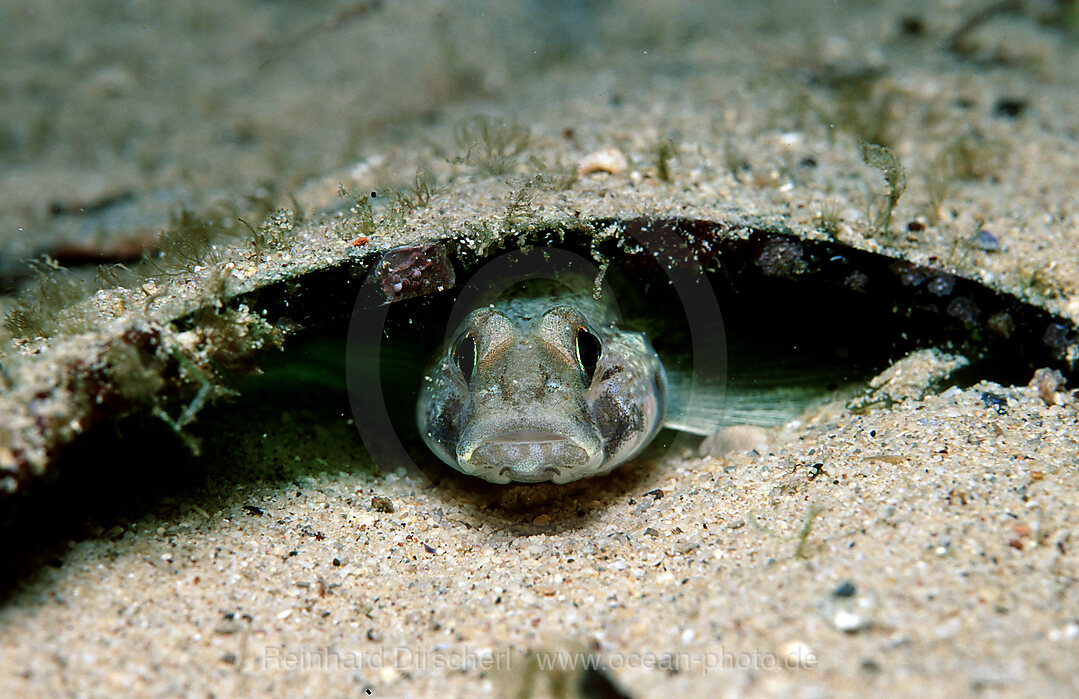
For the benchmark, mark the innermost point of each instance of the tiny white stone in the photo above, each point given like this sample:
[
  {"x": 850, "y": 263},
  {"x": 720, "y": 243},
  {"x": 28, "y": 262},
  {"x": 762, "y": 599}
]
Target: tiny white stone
[{"x": 849, "y": 621}]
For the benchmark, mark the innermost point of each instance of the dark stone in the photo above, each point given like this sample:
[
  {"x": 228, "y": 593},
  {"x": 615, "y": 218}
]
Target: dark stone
[
  {"x": 380, "y": 503},
  {"x": 912, "y": 25},
  {"x": 845, "y": 589},
  {"x": 1010, "y": 107},
  {"x": 995, "y": 401},
  {"x": 1002, "y": 324},
  {"x": 1056, "y": 336},
  {"x": 414, "y": 270}
]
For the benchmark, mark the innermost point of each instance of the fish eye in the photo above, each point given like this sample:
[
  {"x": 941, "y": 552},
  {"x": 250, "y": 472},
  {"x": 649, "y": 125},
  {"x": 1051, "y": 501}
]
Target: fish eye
[
  {"x": 588, "y": 352},
  {"x": 464, "y": 355}
]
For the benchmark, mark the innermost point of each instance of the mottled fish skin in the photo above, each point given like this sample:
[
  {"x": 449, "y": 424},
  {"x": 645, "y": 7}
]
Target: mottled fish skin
[{"x": 541, "y": 385}]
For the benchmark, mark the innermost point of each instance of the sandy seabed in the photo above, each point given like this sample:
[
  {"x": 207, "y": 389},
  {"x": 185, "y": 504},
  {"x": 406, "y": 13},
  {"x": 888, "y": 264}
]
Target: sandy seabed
[{"x": 924, "y": 549}]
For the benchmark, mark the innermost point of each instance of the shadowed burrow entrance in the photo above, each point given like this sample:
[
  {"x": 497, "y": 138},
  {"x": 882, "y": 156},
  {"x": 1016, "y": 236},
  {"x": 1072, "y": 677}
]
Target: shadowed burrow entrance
[{"x": 799, "y": 320}]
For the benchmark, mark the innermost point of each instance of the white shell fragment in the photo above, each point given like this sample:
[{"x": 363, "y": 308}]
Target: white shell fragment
[{"x": 608, "y": 160}]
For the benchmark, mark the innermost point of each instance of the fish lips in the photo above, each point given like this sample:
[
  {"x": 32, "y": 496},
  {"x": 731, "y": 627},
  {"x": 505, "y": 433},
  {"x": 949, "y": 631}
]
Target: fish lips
[{"x": 547, "y": 448}]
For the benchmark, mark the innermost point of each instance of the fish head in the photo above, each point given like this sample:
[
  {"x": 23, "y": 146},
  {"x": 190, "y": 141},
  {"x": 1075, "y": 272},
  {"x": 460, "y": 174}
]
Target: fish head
[{"x": 547, "y": 397}]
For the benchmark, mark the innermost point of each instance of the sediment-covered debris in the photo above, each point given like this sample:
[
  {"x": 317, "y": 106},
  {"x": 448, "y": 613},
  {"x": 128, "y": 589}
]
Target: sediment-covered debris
[{"x": 162, "y": 334}]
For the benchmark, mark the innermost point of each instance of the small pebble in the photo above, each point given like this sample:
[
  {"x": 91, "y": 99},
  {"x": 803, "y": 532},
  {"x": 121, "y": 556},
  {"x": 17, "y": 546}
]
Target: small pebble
[
  {"x": 1066, "y": 633},
  {"x": 849, "y": 621},
  {"x": 1047, "y": 382},
  {"x": 1010, "y": 107},
  {"x": 380, "y": 503},
  {"x": 912, "y": 25},
  {"x": 847, "y": 612},
  {"x": 1057, "y": 336},
  {"x": 734, "y": 440},
  {"x": 1002, "y": 324},
  {"x": 992, "y": 400},
  {"x": 984, "y": 240},
  {"x": 845, "y": 589}
]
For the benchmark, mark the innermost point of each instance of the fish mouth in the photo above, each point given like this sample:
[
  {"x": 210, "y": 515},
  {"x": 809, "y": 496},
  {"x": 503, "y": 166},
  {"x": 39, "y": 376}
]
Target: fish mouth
[{"x": 531, "y": 456}]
